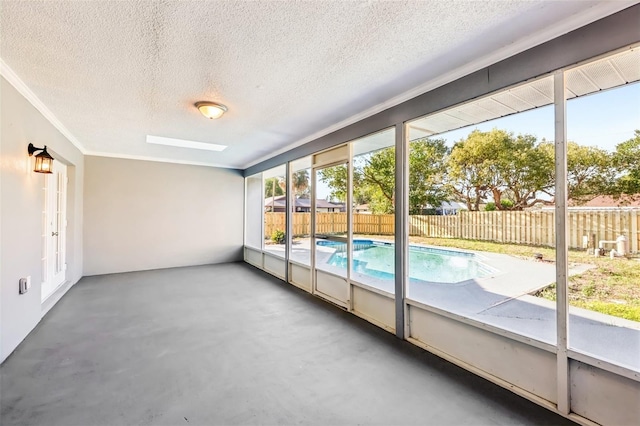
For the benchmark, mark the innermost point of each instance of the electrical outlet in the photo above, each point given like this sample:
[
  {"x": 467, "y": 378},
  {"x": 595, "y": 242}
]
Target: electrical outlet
[{"x": 22, "y": 286}]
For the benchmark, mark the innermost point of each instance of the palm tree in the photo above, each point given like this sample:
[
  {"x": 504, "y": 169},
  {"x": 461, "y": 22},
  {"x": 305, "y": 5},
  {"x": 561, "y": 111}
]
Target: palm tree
[{"x": 300, "y": 182}]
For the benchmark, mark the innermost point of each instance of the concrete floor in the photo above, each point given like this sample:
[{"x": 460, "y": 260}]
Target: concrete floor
[{"x": 228, "y": 344}]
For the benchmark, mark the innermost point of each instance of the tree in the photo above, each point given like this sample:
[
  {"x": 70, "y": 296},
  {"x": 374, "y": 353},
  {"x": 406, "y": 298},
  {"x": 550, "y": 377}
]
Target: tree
[
  {"x": 512, "y": 172},
  {"x": 529, "y": 173},
  {"x": 277, "y": 186},
  {"x": 336, "y": 178},
  {"x": 376, "y": 180},
  {"x": 300, "y": 183},
  {"x": 427, "y": 174},
  {"x": 469, "y": 177},
  {"x": 626, "y": 160},
  {"x": 274, "y": 187},
  {"x": 374, "y": 177},
  {"x": 590, "y": 172},
  {"x": 503, "y": 166}
]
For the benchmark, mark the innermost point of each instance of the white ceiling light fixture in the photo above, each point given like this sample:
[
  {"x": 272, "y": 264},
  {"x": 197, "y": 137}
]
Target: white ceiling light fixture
[{"x": 211, "y": 110}]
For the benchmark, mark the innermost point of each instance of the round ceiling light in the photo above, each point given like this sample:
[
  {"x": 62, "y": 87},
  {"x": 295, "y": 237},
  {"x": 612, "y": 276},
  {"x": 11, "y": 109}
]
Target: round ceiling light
[{"x": 211, "y": 110}]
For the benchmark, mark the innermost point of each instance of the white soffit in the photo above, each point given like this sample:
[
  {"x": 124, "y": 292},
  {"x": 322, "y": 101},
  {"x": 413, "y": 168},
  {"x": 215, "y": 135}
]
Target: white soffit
[
  {"x": 181, "y": 143},
  {"x": 110, "y": 73},
  {"x": 601, "y": 74}
]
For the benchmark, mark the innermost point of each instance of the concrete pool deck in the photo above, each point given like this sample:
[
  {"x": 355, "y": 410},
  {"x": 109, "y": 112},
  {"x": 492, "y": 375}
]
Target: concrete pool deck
[{"x": 504, "y": 301}]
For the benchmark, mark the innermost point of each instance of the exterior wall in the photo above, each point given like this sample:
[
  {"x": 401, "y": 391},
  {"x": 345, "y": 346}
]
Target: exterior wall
[
  {"x": 274, "y": 265},
  {"x": 602, "y": 396},
  {"x": 143, "y": 215},
  {"x": 21, "y": 205},
  {"x": 520, "y": 364}
]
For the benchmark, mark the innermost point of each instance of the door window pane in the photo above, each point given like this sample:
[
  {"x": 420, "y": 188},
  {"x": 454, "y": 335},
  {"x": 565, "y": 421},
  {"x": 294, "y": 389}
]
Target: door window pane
[
  {"x": 300, "y": 187},
  {"x": 331, "y": 220},
  {"x": 275, "y": 198}
]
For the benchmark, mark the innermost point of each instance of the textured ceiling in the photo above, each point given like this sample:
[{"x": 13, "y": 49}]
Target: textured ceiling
[{"x": 113, "y": 72}]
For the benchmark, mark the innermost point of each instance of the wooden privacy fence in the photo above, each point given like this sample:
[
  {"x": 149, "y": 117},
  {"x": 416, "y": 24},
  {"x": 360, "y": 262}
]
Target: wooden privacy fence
[
  {"x": 331, "y": 223},
  {"x": 518, "y": 227}
]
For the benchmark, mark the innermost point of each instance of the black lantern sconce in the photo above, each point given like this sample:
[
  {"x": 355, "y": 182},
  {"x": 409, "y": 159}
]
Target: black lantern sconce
[{"x": 44, "y": 161}]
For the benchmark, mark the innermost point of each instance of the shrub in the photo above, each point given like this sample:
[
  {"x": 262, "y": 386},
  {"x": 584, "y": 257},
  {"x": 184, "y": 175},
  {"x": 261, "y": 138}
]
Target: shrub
[
  {"x": 278, "y": 236},
  {"x": 506, "y": 205}
]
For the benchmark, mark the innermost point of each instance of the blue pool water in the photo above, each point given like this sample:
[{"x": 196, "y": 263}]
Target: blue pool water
[{"x": 376, "y": 259}]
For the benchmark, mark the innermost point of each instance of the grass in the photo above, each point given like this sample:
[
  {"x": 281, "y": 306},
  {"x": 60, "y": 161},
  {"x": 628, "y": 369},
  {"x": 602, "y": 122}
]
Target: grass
[{"x": 611, "y": 287}]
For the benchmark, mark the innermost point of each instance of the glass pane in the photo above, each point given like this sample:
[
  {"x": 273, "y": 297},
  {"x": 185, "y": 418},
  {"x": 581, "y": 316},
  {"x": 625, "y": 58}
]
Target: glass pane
[
  {"x": 59, "y": 226},
  {"x": 253, "y": 211},
  {"x": 331, "y": 220},
  {"x": 300, "y": 186},
  {"x": 481, "y": 183},
  {"x": 373, "y": 210},
  {"x": 275, "y": 198},
  {"x": 604, "y": 214}
]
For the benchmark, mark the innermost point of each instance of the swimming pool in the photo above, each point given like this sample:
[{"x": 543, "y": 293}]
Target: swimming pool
[{"x": 376, "y": 259}]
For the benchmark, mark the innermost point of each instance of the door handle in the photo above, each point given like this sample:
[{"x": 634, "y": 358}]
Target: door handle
[{"x": 54, "y": 234}]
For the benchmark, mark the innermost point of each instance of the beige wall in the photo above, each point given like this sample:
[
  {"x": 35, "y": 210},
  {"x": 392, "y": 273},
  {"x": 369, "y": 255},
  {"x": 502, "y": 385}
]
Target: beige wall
[
  {"x": 146, "y": 215},
  {"x": 21, "y": 205}
]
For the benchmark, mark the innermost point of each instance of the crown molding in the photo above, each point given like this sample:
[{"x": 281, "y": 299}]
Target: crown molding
[
  {"x": 158, "y": 160},
  {"x": 24, "y": 90}
]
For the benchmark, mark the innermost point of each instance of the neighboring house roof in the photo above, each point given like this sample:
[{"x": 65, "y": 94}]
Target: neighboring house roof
[
  {"x": 320, "y": 204},
  {"x": 280, "y": 200},
  {"x": 449, "y": 205},
  {"x": 276, "y": 198},
  {"x": 452, "y": 205},
  {"x": 277, "y": 201},
  {"x": 324, "y": 204}
]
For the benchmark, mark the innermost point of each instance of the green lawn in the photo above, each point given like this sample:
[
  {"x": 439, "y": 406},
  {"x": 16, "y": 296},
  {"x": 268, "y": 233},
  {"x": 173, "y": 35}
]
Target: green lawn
[{"x": 612, "y": 287}]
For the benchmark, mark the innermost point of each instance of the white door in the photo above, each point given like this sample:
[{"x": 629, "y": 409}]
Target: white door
[{"x": 54, "y": 230}]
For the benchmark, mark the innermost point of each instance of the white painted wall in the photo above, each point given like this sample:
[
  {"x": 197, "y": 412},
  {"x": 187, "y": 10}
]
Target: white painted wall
[
  {"x": 21, "y": 203},
  {"x": 142, "y": 215}
]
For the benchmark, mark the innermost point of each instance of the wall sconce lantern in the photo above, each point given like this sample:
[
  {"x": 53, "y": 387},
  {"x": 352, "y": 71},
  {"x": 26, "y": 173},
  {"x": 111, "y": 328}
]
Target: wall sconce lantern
[{"x": 44, "y": 161}]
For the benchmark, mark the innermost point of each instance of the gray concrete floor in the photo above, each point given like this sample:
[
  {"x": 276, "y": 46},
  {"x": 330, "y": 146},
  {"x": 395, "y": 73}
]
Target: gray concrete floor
[{"x": 228, "y": 344}]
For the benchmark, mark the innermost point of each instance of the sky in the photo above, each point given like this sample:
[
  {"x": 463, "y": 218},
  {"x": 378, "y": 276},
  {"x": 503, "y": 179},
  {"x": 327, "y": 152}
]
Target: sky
[{"x": 603, "y": 119}]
